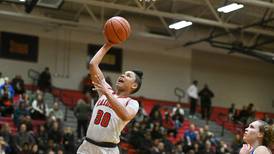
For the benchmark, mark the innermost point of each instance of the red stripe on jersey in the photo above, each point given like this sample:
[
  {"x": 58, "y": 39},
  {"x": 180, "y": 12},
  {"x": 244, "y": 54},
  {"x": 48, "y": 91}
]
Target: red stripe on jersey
[{"x": 128, "y": 102}]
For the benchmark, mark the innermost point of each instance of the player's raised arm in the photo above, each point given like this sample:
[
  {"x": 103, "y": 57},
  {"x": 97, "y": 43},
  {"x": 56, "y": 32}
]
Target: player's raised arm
[{"x": 94, "y": 69}]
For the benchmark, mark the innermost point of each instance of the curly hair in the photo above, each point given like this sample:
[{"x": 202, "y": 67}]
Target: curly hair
[{"x": 268, "y": 131}]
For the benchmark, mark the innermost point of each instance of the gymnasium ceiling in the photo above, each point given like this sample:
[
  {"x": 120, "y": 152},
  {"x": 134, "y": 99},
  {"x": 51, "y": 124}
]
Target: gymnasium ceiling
[{"x": 250, "y": 28}]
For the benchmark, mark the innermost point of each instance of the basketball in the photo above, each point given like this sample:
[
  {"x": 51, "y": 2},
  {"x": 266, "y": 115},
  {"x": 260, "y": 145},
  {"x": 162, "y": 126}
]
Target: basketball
[{"x": 117, "y": 30}]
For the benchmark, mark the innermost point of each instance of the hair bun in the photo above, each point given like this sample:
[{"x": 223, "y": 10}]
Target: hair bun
[{"x": 138, "y": 73}]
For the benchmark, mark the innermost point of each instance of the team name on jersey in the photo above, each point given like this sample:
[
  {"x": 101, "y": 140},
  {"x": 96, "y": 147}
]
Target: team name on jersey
[{"x": 104, "y": 102}]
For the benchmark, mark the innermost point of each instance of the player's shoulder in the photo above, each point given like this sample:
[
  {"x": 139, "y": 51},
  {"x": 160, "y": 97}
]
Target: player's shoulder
[{"x": 262, "y": 149}]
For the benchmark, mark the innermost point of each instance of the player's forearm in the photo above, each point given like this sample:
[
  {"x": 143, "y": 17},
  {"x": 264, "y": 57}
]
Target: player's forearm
[
  {"x": 96, "y": 60},
  {"x": 119, "y": 109}
]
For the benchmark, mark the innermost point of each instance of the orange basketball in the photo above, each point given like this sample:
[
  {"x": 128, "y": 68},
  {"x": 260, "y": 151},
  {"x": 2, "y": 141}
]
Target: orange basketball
[{"x": 117, "y": 30}]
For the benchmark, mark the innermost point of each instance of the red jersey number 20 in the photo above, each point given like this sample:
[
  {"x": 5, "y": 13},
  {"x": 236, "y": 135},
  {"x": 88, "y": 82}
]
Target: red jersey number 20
[{"x": 102, "y": 118}]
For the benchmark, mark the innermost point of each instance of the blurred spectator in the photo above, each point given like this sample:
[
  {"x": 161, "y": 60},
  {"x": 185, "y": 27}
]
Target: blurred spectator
[
  {"x": 41, "y": 139},
  {"x": 86, "y": 84},
  {"x": 6, "y": 99},
  {"x": 267, "y": 119},
  {"x": 178, "y": 115},
  {"x": 6, "y": 90},
  {"x": 22, "y": 139},
  {"x": 27, "y": 121},
  {"x": 108, "y": 80},
  {"x": 232, "y": 112},
  {"x": 157, "y": 148},
  {"x": 205, "y": 97},
  {"x": 20, "y": 112},
  {"x": 68, "y": 141},
  {"x": 82, "y": 113},
  {"x": 243, "y": 115},
  {"x": 191, "y": 135},
  {"x": 192, "y": 93},
  {"x": 44, "y": 80},
  {"x": 55, "y": 133},
  {"x": 156, "y": 132},
  {"x": 169, "y": 124},
  {"x": 208, "y": 148},
  {"x": 236, "y": 144},
  {"x": 18, "y": 84},
  {"x": 39, "y": 108},
  {"x": 55, "y": 112},
  {"x": 155, "y": 115},
  {"x": 34, "y": 149},
  {"x": 206, "y": 135},
  {"x": 2, "y": 79},
  {"x": 3, "y": 145},
  {"x": 140, "y": 114},
  {"x": 8, "y": 138},
  {"x": 25, "y": 148}
]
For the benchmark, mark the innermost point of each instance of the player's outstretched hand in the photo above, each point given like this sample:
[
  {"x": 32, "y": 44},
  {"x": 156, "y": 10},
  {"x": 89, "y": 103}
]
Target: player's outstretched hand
[{"x": 100, "y": 85}]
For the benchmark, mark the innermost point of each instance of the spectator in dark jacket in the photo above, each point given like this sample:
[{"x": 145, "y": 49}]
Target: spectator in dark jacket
[
  {"x": 44, "y": 80},
  {"x": 82, "y": 113},
  {"x": 18, "y": 84},
  {"x": 55, "y": 133},
  {"x": 42, "y": 139},
  {"x": 205, "y": 97},
  {"x": 68, "y": 141}
]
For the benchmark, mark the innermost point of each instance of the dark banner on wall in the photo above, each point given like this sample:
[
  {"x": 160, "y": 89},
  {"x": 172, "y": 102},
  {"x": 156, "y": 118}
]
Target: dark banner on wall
[
  {"x": 18, "y": 46},
  {"x": 112, "y": 60}
]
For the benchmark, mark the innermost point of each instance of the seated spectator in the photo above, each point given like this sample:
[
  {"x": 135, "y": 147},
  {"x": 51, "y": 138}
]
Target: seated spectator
[
  {"x": 267, "y": 119},
  {"x": 156, "y": 132},
  {"x": 155, "y": 115},
  {"x": 42, "y": 139},
  {"x": 190, "y": 137},
  {"x": 34, "y": 149},
  {"x": 18, "y": 84},
  {"x": 232, "y": 112},
  {"x": 39, "y": 108},
  {"x": 169, "y": 124},
  {"x": 55, "y": 133},
  {"x": 2, "y": 79},
  {"x": 7, "y": 90},
  {"x": 20, "y": 112},
  {"x": 243, "y": 115},
  {"x": 27, "y": 121},
  {"x": 206, "y": 135},
  {"x": 8, "y": 138},
  {"x": 44, "y": 80},
  {"x": 178, "y": 115},
  {"x": 3, "y": 145},
  {"x": 236, "y": 144},
  {"x": 208, "y": 148},
  {"x": 55, "y": 112},
  {"x": 23, "y": 138},
  {"x": 68, "y": 141}
]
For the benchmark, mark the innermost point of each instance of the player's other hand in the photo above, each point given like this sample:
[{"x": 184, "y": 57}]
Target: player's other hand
[
  {"x": 246, "y": 149},
  {"x": 100, "y": 85}
]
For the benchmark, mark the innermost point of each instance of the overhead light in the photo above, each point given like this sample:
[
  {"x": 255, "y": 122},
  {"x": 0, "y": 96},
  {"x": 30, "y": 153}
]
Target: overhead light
[
  {"x": 53, "y": 4},
  {"x": 230, "y": 7},
  {"x": 180, "y": 24}
]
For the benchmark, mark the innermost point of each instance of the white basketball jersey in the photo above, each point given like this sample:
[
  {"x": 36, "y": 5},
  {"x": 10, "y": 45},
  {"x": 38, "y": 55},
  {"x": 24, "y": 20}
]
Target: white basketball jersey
[{"x": 105, "y": 125}]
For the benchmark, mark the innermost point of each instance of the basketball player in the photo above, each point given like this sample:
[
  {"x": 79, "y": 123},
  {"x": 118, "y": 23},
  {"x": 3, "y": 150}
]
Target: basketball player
[
  {"x": 112, "y": 111},
  {"x": 259, "y": 136}
]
